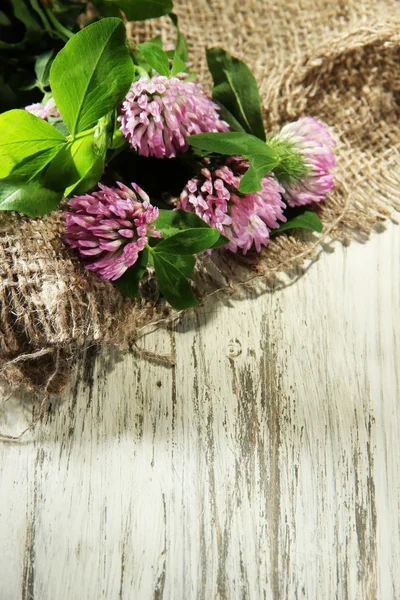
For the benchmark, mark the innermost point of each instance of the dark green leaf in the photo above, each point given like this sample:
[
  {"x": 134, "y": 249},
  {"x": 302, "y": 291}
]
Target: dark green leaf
[
  {"x": 31, "y": 198},
  {"x": 92, "y": 74},
  {"x": 26, "y": 15},
  {"x": 157, "y": 40},
  {"x": 8, "y": 96},
  {"x": 89, "y": 179},
  {"x": 155, "y": 57},
  {"x": 4, "y": 20},
  {"x": 59, "y": 125},
  {"x": 171, "y": 222},
  {"x": 128, "y": 284},
  {"x": 236, "y": 89},
  {"x": 231, "y": 143},
  {"x": 307, "y": 220},
  {"x": 262, "y": 158},
  {"x": 190, "y": 241},
  {"x": 118, "y": 140},
  {"x": 184, "y": 263},
  {"x": 24, "y": 139},
  {"x": 29, "y": 167},
  {"x": 44, "y": 18},
  {"x": 191, "y": 77},
  {"x": 178, "y": 66},
  {"x": 18, "y": 26},
  {"x": 103, "y": 135},
  {"x": 141, "y": 66},
  {"x": 259, "y": 166},
  {"x": 227, "y": 116},
  {"x": 181, "y": 47},
  {"x": 107, "y": 8},
  {"x": 141, "y": 10},
  {"x": 10, "y": 45},
  {"x": 77, "y": 164},
  {"x": 42, "y": 69},
  {"x": 221, "y": 241},
  {"x": 67, "y": 13},
  {"x": 90, "y": 173},
  {"x": 173, "y": 285}
]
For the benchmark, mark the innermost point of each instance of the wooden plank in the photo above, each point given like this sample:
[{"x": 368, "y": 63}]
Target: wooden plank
[{"x": 265, "y": 465}]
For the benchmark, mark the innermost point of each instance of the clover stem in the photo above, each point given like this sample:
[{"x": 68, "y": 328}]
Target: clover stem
[{"x": 63, "y": 31}]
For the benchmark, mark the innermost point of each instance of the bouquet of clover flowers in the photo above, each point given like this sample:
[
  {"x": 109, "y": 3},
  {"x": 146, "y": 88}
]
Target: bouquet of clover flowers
[{"x": 154, "y": 170}]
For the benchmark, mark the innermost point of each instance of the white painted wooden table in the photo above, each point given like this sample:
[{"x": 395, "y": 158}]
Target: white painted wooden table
[{"x": 265, "y": 465}]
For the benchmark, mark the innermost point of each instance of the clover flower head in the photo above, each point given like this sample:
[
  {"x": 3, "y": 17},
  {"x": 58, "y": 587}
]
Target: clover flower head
[
  {"x": 44, "y": 110},
  {"x": 110, "y": 227},
  {"x": 305, "y": 147},
  {"x": 158, "y": 115},
  {"x": 245, "y": 219}
]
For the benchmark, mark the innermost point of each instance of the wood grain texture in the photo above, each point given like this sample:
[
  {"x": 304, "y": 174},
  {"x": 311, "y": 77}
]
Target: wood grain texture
[{"x": 266, "y": 464}]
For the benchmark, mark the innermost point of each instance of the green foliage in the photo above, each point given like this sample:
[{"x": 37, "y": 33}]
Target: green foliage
[
  {"x": 171, "y": 222},
  {"x": 18, "y": 13},
  {"x": 155, "y": 57},
  {"x": 233, "y": 123},
  {"x": 221, "y": 241},
  {"x": 99, "y": 73},
  {"x": 260, "y": 165},
  {"x": 184, "y": 234},
  {"x": 27, "y": 143},
  {"x": 76, "y": 164},
  {"x": 173, "y": 284},
  {"x": 235, "y": 89},
  {"x": 30, "y": 198},
  {"x": 27, "y": 33},
  {"x": 150, "y": 55},
  {"x": 190, "y": 241},
  {"x": 183, "y": 262},
  {"x": 262, "y": 158},
  {"x": 178, "y": 65},
  {"x": 4, "y": 20},
  {"x": 32, "y": 29},
  {"x": 128, "y": 284},
  {"x": 307, "y": 220},
  {"x": 107, "y": 8},
  {"x": 181, "y": 47},
  {"x": 231, "y": 143},
  {"x": 42, "y": 70},
  {"x": 141, "y": 10}
]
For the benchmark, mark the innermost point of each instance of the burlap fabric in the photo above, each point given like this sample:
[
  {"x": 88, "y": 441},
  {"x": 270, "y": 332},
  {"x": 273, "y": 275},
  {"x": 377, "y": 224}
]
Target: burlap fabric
[{"x": 338, "y": 61}]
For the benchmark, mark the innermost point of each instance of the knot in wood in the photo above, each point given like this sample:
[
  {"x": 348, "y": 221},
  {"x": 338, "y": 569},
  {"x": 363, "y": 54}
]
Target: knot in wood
[{"x": 234, "y": 349}]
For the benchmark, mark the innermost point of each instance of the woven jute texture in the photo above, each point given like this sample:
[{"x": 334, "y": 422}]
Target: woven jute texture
[{"x": 338, "y": 61}]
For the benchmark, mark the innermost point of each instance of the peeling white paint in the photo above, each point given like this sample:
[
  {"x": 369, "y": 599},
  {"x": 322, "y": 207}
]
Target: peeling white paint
[{"x": 265, "y": 465}]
